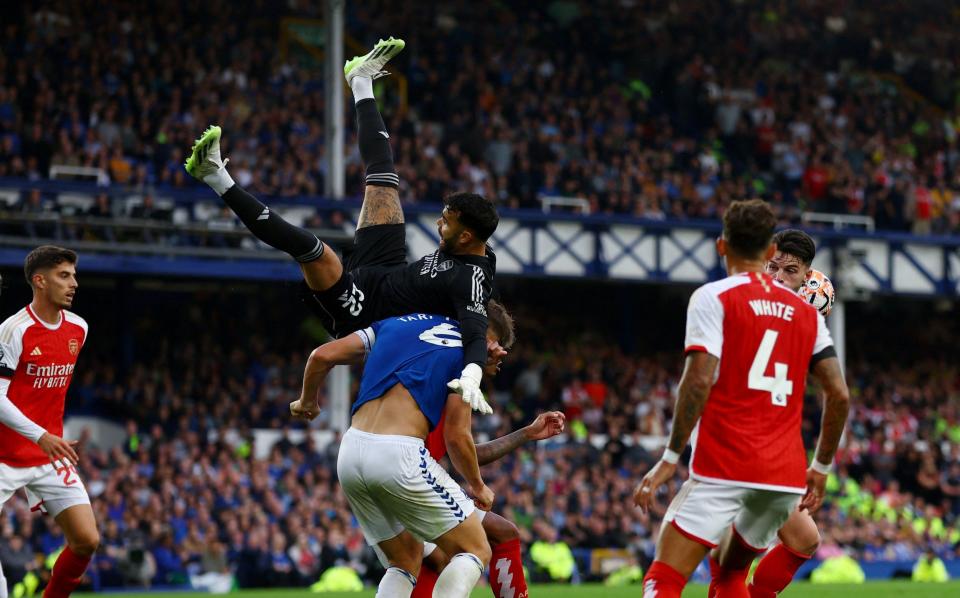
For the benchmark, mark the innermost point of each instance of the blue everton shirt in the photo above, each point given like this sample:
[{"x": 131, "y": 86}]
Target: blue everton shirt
[{"x": 420, "y": 351}]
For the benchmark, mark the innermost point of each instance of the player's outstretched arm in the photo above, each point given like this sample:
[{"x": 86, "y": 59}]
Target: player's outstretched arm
[
  {"x": 53, "y": 446},
  {"x": 470, "y": 292},
  {"x": 345, "y": 351},
  {"x": 835, "y": 410},
  {"x": 694, "y": 389},
  {"x": 695, "y": 384},
  {"x": 546, "y": 425},
  {"x": 458, "y": 436}
]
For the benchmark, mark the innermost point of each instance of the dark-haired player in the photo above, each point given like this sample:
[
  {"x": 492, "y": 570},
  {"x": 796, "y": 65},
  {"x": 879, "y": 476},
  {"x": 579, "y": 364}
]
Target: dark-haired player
[
  {"x": 394, "y": 350},
  {"x": 749, "y": 345},
  {"x": 39, "y": 346},
  {"x": 398, "y": 493},
  {"x": 791, "y": 265},
  {"x": 374, "y": 281}
]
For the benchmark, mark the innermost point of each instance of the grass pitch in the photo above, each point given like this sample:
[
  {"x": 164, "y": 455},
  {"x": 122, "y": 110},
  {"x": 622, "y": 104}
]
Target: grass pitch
[{"x": 879, "y": 589}]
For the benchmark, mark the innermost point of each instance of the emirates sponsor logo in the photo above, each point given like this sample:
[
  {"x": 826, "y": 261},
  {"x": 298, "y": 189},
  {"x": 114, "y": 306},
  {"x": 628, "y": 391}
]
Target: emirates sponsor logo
[
  {"x": 50, "y": 376},
  {"x": 54, "y": 369}
]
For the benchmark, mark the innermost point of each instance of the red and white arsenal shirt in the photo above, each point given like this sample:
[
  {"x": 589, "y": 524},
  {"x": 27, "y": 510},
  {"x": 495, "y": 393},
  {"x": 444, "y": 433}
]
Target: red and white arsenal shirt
[
  {"x": 765, "y": 336},
  {"x": 38, "y": 360}
]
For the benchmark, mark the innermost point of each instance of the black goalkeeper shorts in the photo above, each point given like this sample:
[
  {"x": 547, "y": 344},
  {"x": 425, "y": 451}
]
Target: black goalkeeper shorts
[{"x": 351, "y": 303}]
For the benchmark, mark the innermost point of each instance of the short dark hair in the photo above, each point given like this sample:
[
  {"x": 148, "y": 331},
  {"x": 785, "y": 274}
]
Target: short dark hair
[
  {"x": 475, "y": 212},
  {"x": 796, "y": 243},
  {"x": 44, "y": 257},
  {"x": 501, "y": 322},
  {"x": 748, "y": 227}
]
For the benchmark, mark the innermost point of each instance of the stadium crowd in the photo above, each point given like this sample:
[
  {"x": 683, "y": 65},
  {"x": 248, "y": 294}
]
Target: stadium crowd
[
  {"x": 184, "y": 494},
  {"x": 680, "y": 113}
]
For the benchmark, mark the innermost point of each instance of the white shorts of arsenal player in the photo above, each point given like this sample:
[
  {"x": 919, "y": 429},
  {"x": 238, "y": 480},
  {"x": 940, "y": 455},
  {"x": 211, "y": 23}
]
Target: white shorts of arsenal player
[
  {"x": 703, "y": 512},
  {"x": 50, "y": 489}
]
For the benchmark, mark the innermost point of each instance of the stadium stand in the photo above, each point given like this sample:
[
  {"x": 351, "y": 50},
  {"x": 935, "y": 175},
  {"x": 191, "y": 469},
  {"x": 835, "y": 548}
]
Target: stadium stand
[{"x": 694, "y": 111}]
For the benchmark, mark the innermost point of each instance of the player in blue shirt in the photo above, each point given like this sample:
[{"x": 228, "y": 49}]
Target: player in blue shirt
[{"x": 399, "y": 494}]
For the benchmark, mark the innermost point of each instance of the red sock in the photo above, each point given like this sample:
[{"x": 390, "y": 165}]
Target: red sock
[
  {"x": 425, "y": 582},
  {"x": 776, "y": 571},
  {"x": 714, "y": 574},
  {"x": 67, "y": 572},
  {"x": 506, "y": 571},
  {"x": 731, "y": 583},
  {"x": 663, "y": 581}
]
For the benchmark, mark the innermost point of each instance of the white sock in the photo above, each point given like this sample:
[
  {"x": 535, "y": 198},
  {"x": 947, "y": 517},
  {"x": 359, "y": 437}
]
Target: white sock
[
  {"x": 362, "y": 88},
  {"x": 396, "y": 583},
  {"x": 220, "y": 180},
  {"x": 3, "y": 584},
  {"x": 459, "y": 577}
]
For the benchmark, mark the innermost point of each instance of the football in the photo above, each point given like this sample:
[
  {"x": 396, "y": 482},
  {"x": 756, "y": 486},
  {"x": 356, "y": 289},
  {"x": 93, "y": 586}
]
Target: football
[{"x": 818, "y": 291}]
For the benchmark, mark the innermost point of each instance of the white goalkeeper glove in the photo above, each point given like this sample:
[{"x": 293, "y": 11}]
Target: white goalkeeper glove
[{"x": 468, "y": 386}]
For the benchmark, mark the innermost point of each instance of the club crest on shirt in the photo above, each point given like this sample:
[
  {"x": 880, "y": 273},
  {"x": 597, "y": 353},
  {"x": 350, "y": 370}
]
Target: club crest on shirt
[
  {"x": 432, "y": 267},
  {"x": 74, "y": 346}
]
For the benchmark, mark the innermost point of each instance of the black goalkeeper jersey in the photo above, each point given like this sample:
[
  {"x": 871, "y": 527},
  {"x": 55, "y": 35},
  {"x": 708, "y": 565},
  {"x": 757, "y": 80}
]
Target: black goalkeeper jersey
[
  {"x": 457, "y": 286},
  {"x": 378, "y": 283}
]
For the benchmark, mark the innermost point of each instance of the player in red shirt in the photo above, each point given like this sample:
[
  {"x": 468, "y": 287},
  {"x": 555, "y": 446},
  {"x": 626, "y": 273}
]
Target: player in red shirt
[
  {"x": 799, "y": 537},
  {"x": 750, "y": 342},
  {"x": 39, "y": 346}
]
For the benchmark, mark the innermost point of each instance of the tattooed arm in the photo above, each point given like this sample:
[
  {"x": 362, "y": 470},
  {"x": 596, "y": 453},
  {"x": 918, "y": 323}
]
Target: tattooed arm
[
  {"x": 488, "y": 452},
  {"x": 703, "y": 346},
  {"x": 693, "y": 392},
  {"x": 545, "y": 426},
  {"x": 835, "y": 410}
]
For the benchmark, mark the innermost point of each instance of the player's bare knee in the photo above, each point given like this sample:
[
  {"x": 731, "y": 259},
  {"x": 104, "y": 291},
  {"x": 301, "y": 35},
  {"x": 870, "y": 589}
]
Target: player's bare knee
[
  {"x": 482, "y": 551},
  {"x": 323, "y": 272},
  {"x": 805, "y": 544},
  {"x": 811, "y": 549},
  {"x": 411, "y": 566},
  {"x": 437, "y": 560},
  {"x": 478, "y": 547},
  {"x": 86, "y": 544},
  {"x": 499, "y": 530},
  {"x": 801, "y": 535},
  {"x": 510, "y": 532}
]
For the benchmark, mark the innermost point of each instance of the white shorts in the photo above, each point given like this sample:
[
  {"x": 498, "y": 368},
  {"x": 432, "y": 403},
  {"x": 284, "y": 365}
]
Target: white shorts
[
  {"x": 703, "y": 512},
  {"x": 49, "y": 489},
  {"x": 392, "y": 483}
]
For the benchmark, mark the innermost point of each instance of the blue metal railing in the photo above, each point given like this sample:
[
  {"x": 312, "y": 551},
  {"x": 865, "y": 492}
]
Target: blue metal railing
[{"x": 529, "y": 242}]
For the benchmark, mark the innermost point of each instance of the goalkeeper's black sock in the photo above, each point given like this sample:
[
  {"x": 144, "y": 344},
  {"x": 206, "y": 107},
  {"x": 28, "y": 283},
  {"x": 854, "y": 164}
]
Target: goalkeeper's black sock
[
  {"x": 375, "y": 145},
  {"x": 270, "y": 228}
]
